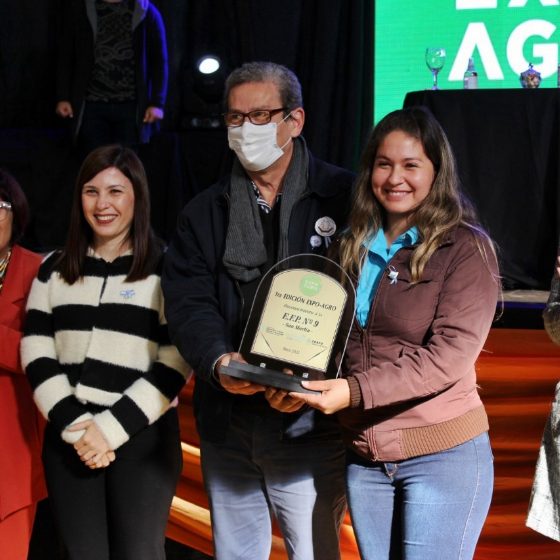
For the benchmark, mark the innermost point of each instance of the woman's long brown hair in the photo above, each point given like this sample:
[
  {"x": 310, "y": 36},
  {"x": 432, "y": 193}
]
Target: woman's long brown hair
[{"x": 445, "y": 207}]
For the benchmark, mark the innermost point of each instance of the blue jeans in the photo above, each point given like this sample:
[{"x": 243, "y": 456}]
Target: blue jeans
[
  {"x": 254, "y": 474},
  {"x": 425, "y": 508}
]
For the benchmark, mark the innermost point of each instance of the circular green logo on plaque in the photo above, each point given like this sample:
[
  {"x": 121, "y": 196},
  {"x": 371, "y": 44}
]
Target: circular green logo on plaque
[{"x": 310, "y": 285}]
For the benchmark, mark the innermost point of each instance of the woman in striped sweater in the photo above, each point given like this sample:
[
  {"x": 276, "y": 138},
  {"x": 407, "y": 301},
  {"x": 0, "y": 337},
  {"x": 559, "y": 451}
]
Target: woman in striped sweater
[{"x": 103, "y": 371}]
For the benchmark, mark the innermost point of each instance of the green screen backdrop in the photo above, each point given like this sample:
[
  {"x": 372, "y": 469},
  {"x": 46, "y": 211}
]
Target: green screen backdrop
[{"x": 503, "y": 37}]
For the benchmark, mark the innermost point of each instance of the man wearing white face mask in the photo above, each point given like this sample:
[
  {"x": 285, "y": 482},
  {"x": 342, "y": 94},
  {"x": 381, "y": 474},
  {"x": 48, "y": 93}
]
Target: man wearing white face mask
[
  {"x": 256, "y": 144},
  {"x": 262, "y": 453}
]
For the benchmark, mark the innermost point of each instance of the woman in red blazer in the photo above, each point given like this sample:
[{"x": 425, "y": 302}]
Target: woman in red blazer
[{"x": 21, "y": 472}]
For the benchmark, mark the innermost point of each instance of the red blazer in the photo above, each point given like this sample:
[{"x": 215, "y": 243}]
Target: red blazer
[{"x": 21, "y": 471}]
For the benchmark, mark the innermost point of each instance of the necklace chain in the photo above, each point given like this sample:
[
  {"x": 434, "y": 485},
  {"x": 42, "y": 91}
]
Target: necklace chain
[{"x": 4, "y": 266}]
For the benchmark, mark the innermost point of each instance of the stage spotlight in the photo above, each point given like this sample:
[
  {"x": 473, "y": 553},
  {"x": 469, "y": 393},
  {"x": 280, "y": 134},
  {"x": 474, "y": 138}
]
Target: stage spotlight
[
  {"x": 208, "y": 64},
  {"x": 208, "y": 80},
  {"x": 203, "y": 92}
]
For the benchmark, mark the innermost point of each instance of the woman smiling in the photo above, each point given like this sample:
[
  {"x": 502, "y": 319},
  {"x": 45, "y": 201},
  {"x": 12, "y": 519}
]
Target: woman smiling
[
  {"x": 419, "y": 464},
  {"x": 104, "y": 374}
]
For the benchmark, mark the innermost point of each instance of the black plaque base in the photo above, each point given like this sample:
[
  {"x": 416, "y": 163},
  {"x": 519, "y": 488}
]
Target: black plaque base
[{"x": 266, "y": 377}]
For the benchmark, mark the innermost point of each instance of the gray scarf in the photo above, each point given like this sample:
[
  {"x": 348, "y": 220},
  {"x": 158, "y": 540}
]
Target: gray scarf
[{"x": 245, "y": 251}]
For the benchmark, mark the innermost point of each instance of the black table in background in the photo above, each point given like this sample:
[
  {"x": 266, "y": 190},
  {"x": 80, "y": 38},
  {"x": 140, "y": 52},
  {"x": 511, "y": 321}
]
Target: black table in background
[{"x": 507, "y": 145}]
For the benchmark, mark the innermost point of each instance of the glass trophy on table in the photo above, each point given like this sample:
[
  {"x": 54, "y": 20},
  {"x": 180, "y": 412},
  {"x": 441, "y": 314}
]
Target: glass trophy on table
[{"x": 298, "y": 326}]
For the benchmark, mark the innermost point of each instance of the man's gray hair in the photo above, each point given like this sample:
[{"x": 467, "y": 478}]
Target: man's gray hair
[{"x": 286, "y": 81}]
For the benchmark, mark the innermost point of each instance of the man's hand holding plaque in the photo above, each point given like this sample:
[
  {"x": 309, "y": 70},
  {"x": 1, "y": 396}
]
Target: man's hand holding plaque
[{"x": 233, "y": 384}]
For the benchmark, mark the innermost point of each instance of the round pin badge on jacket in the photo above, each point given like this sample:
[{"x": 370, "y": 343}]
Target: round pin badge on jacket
[
  {"x": 325, "y": 226},
  {"x": 315, "y": 241}
]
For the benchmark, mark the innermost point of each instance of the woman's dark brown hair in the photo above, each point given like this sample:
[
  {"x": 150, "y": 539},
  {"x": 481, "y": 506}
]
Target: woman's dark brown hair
[
  {"x": 11, "y": 192},
  {"x": 145, "y": 247}
]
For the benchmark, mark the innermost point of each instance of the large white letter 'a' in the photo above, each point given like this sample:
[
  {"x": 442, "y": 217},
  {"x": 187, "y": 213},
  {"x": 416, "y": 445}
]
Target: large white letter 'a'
[{"x": 476, "y": 37}]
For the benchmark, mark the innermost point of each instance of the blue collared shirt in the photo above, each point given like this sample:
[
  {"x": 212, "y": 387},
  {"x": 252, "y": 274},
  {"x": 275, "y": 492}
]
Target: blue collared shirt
[{"x": 375, "y": 263}]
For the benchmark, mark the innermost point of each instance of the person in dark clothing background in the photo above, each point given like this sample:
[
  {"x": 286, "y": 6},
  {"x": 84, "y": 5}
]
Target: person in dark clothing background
[{"x": 112, "y": 71}]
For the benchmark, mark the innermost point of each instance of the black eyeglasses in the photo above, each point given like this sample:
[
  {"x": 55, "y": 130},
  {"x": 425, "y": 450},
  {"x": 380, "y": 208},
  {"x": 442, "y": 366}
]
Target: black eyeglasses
[
  {"x": 258, "y": 117},
  {"x": 5, "y": 209}
]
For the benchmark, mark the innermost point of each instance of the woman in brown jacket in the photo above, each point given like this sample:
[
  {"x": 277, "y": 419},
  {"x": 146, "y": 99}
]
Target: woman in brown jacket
[{"x": 419, "y": 466}]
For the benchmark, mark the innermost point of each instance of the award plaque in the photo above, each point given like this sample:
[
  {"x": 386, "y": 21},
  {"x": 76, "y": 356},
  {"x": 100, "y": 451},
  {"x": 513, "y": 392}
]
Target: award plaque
[{"x": 299, "y": 321}]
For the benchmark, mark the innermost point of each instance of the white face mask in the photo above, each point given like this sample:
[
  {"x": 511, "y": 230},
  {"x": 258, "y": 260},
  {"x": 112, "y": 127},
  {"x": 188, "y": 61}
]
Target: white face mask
[{"x": 255, "y": 145}]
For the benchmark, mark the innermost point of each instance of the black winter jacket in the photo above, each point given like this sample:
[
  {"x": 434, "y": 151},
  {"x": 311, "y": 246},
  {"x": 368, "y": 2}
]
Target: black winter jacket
[{"x": 203, "y": 303}]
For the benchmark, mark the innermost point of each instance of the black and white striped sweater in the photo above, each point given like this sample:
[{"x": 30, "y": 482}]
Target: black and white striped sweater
[{"x": 102, "y": 342}]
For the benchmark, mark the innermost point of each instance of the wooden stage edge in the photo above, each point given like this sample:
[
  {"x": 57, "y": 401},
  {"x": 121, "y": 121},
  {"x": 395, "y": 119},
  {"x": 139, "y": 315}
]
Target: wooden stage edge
[{"x": 517, "y": 373}]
